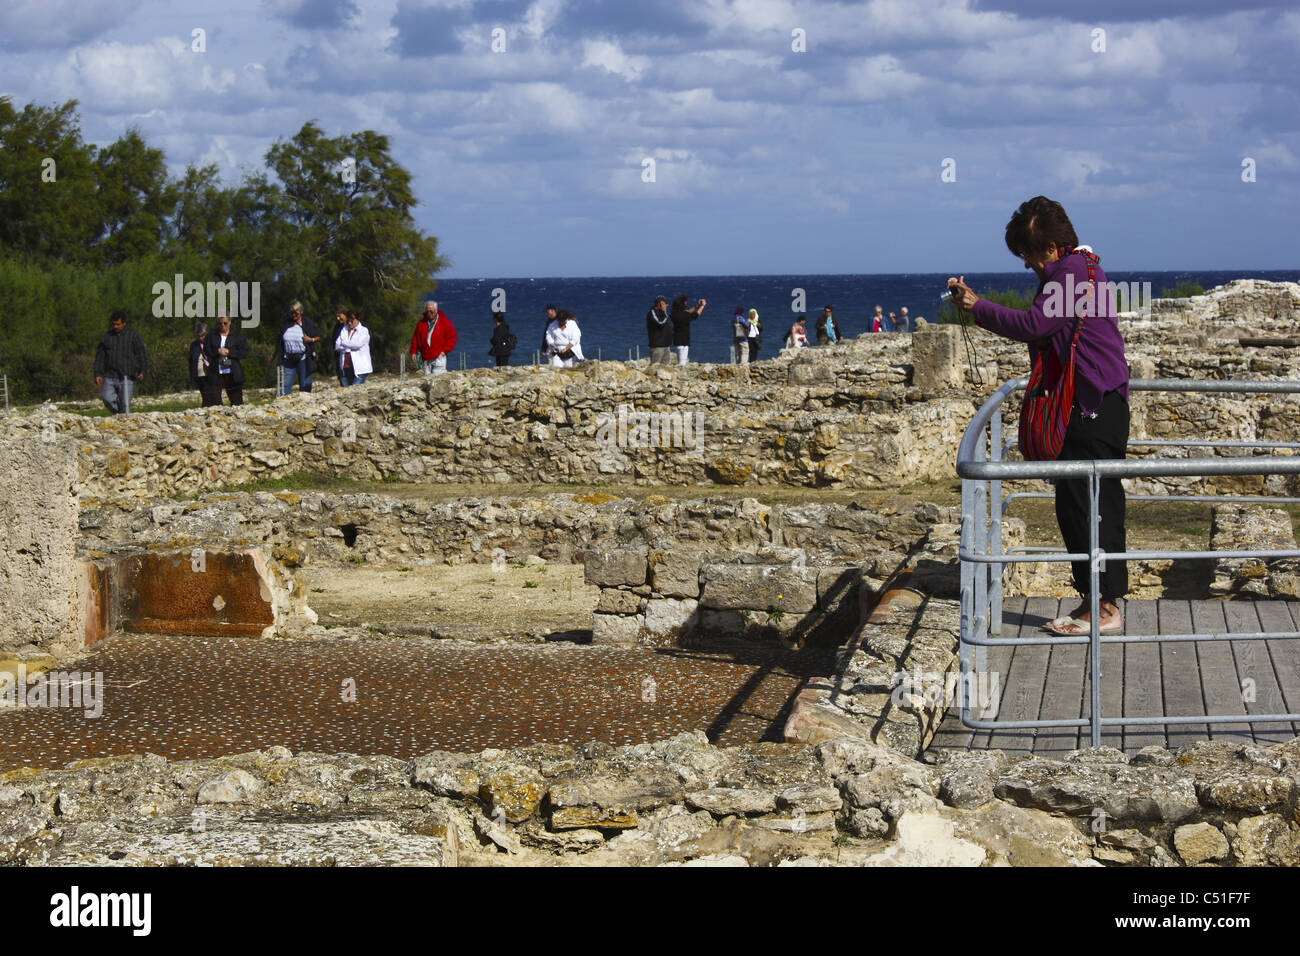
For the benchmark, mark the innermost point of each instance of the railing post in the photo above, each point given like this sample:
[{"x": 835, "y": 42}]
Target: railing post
[
  {"x": 996, "y": 547},
  {"x": 980, "y": 504},
  {"x": 401, "y": 367},
  {"x": 967, "y": 590},
  {"x": 6, "y": 380},
  {"x": 1094, "y": 601}
]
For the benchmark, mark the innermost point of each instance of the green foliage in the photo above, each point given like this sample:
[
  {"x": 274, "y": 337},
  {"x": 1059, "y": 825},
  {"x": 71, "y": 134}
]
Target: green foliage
[
  {"x": 104, "y": 225},
  {"x": 1020, "y": 299},
  {"x": 1184, "y": 290}
]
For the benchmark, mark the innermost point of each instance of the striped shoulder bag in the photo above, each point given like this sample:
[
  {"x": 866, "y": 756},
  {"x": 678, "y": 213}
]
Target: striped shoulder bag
[{"x": 1045, "y": 415}]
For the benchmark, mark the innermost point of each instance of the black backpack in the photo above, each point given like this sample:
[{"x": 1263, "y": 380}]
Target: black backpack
[{"x": 511, "y": 341}]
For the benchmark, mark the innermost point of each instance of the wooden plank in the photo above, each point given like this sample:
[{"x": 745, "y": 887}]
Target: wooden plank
[
  {"x": 1023, "y": 693},
  {"x": 1255, "y": 664},
  {"x": 1181, "y": 675},
  {"x": 1000, "y": 658},
  {"x": 952, "y": 733},
  {"x": 1219, "y": 681},
  {"x": 1062, "y": 698},
  {"x": 1285, "y": 653},
  {"x": 1143, "y": 693}
]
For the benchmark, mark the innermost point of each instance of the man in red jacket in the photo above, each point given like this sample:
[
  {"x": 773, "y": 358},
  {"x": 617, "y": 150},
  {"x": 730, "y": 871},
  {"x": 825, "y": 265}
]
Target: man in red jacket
[{"x": 434, "y": 337}]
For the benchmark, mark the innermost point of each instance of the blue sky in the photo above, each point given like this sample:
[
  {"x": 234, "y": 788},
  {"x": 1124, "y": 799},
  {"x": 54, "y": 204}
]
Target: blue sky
[{"x": 529, "y": 161}]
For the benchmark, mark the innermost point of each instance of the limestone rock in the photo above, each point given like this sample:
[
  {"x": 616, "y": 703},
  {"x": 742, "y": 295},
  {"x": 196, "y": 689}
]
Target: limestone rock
[
  {"x": 1243, "y": 790},
  {"x": 809, "y": 799},
  {"x": 593, "y": 818},
  {"x": 447, "y": 774},
  {"x": 968, "y": 777},
  {"x": 928, "y": 839},
  {"x": 616, "y": 628},
  {"x": 1124, "y": 793},
  {"x": 514, "y": 789},
  {"x": 618, "y": 601},
  {"x": 724, "y": 801},
  {"x": 625, "y": 567},
  {"x": 675, "y": 573},
  {"x": 759, "y": 587},
  {"x": 237, "y": 786},
  {"x": 667, "y": 619},
  {"x": 1265, "y": 840},
  {"x": 1199, "y": 843}
]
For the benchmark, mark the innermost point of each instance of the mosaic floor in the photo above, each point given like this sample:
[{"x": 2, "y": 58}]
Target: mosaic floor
[{"x": 206, "y": 696}]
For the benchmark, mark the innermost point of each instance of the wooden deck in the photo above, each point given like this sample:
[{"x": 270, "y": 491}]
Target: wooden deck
[{"x": 1182, "y": 678}]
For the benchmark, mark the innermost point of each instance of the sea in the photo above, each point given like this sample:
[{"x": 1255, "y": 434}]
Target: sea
[{"x": 611, "y": 309}]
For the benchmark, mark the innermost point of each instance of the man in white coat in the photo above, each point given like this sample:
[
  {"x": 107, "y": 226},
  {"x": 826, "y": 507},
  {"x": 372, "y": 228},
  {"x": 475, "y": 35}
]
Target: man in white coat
[
  {"x": 564, "y": 340},
  {"x": 353, "y": 349}
]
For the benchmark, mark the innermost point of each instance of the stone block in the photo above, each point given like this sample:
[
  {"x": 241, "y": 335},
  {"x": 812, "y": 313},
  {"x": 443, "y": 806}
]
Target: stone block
[
  {"x": 593, "y": 818},
  {"x": 41, "y": 579},
  {"x": 513, "y": 789},
  {"x": 759, "y": 587},
  {"x": 616, "y": 628},
  {"x": 618, "y": 601},
  {"x": 937, "y": 358},
  {"x": 720, "y": 624},
  {"x": 676, "y": 573},
  {"x": 1200, "y": 843},
  {"x": 1265, "y": 840},
  {"x": 837, "y": 589},
  {"x": 625, "y": 567},
  {"x": 670, "y": 617},
  {"x": 725, "y": 801}
]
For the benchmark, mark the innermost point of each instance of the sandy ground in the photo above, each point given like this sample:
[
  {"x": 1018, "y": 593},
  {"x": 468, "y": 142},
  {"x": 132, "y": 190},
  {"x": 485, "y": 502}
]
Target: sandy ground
[{"x": 468, "y": 602}]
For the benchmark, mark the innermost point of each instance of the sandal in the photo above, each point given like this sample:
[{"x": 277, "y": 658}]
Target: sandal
[{"x": 1074, "y": 627}]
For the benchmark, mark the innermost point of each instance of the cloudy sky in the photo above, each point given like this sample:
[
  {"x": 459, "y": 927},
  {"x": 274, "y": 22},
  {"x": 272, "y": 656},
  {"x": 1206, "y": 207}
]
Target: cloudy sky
[{"x": 787, "y": 136}]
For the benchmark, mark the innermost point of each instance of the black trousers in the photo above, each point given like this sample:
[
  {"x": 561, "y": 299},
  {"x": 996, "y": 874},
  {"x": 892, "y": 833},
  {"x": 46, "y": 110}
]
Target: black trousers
[{"x": 1105, "y": 436}]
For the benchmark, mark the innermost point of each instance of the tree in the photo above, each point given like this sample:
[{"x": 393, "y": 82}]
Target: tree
[
  {"x": 345, "y": 232},
  {"x": 48, "y": 207},
  {"x": 132, "y": 196}
]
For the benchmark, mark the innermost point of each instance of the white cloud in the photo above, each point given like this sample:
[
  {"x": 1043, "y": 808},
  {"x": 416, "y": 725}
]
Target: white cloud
[
  {"x": 879, "y": 78},
  {"x": 610, "y": 56}
]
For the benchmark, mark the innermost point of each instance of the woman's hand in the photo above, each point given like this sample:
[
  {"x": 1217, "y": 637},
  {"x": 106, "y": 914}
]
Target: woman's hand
[{"x": 962, "y": 295}]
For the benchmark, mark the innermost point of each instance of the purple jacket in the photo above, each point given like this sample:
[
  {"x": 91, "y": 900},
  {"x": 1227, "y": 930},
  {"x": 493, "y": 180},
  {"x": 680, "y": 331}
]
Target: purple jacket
[{"x": 1100, "y": 366}]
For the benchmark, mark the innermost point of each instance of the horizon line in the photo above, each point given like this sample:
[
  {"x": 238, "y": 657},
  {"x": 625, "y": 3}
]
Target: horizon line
[{"x": 768, "y": 275}]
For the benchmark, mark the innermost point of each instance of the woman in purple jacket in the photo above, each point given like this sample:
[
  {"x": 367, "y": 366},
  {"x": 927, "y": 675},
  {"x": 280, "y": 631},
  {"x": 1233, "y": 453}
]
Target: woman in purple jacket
[{"x": 1041, "y": 235}]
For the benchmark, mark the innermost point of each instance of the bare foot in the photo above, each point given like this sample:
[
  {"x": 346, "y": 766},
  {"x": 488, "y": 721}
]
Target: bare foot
[{"x": 1110, "y": 616}]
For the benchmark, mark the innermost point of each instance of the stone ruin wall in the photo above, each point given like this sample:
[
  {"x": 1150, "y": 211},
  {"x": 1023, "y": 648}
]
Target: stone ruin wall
[{"x": 878, "y": 412}]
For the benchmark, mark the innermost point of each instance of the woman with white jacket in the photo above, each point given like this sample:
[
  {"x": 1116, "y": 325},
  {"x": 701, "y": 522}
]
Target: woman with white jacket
[
  {"x": 354, "y": 351},
  {"x": 564, "y": 340}
]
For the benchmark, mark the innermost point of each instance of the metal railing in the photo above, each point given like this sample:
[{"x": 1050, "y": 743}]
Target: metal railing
[{"x": 983, "y": 470}]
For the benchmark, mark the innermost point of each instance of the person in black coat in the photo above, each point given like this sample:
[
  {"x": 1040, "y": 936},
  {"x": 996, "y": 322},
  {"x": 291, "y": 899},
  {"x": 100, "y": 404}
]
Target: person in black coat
[
  {"x": 203, "y": 373},
  {"x": 659, "y": 331},
  {"x": 226, "y": 349},
  {"x": 682, "y": 317},
  {"x": 503, "y": 340}
]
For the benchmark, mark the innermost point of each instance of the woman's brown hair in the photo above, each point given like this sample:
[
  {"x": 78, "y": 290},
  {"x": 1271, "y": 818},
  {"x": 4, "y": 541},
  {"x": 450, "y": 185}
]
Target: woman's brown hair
[{"x": 1037, "y": 224}]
